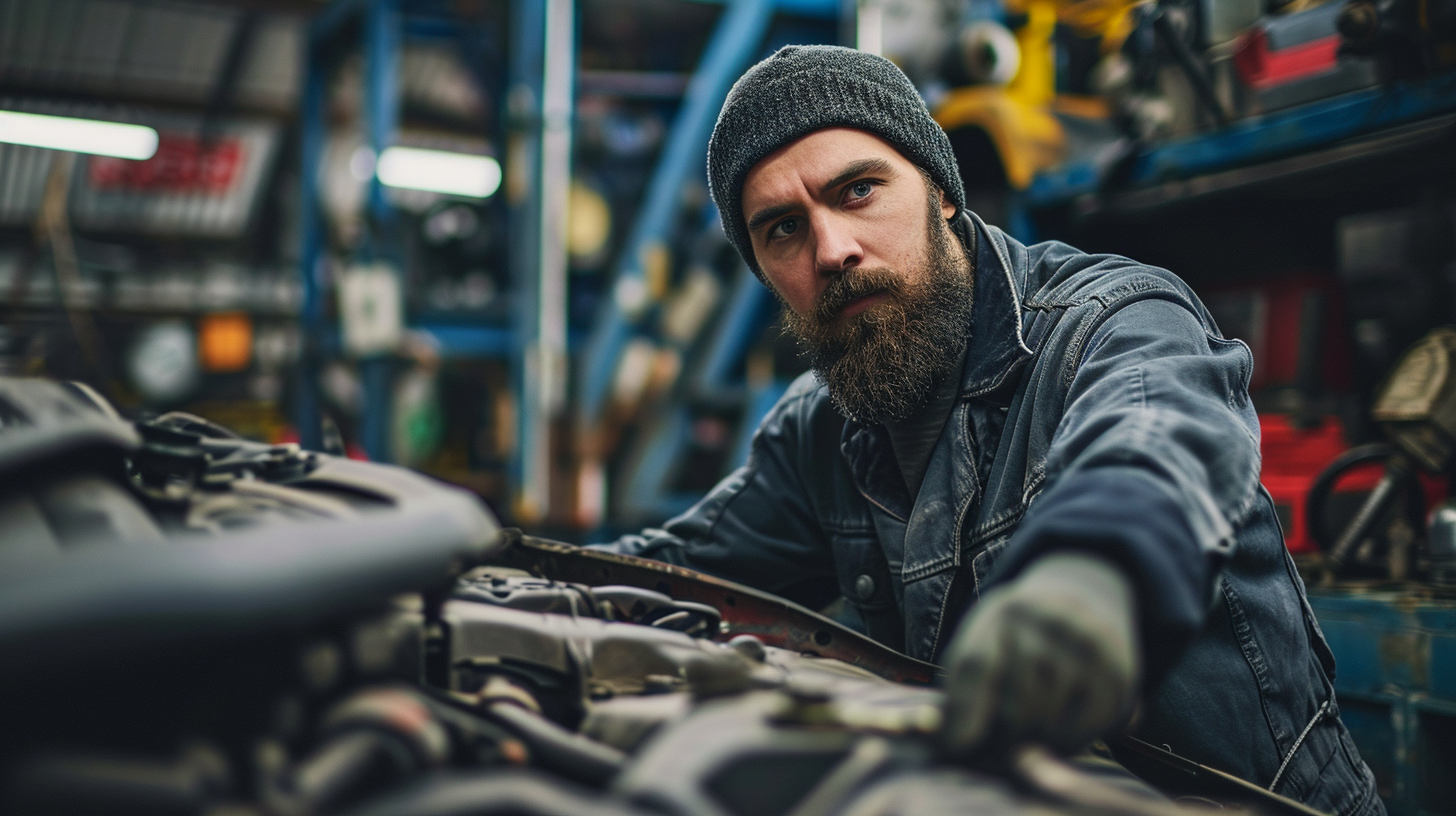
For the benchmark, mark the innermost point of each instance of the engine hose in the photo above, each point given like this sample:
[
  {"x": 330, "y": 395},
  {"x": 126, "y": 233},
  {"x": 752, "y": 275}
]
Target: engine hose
[
  {"x": 492, "y": 793},
  {"x": 557, "y": 749},
  {"x": 1317, "y": 500}
]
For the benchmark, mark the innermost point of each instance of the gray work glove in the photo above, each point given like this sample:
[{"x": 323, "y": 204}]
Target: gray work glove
[{"x": 1051, "y": 657}]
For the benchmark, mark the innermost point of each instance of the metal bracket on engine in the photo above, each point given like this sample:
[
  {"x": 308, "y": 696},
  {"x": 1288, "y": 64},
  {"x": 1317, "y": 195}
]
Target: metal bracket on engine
[{"x": 745, "y": 611}]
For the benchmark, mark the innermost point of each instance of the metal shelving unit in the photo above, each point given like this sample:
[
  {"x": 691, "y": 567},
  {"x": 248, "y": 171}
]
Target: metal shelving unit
[
  {"x": 642, "y": 275},
  {"x": 1305, "y": 138},
  {"x": 537, "y": 121},
  {"x": 639, "y": 280}
]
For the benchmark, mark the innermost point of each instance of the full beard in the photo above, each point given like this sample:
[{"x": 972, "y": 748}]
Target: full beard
[{"x": 884, "y": 362}]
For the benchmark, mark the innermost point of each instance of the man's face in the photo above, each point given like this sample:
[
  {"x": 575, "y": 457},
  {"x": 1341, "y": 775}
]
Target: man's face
[{"x": 853, "y": 239}]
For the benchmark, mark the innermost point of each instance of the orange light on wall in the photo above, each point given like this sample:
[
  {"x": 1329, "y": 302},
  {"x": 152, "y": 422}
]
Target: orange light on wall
[{"x": 225, "y": 342}]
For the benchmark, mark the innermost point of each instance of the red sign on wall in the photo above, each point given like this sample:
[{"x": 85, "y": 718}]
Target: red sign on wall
[{"x": 181, "y": 165}]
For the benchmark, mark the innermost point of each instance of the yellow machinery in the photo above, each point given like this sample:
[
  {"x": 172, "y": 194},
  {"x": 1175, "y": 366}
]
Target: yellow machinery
[{"x": 1016, "y": 115}]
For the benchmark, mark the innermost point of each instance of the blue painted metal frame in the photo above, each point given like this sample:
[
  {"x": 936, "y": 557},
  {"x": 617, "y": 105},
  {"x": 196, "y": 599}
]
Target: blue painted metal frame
[
  {"x": 381, "y": 47},
  {"x": 384, "y": 26},
  {"x": 523, "y": 109},
  {"x": 1396, "y": 684},
  {"x": 749, "y": 308},
  {"x": 1299, "y": 129},
  {"x": 734, "y": 42},
  {"x": 322, "y": 31},
  {"x": 646, "y": 493},
  {"x": 307, "y": 404}
]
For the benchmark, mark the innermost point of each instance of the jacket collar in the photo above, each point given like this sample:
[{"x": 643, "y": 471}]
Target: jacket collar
[
  {"x": 996, "y": 350},
  {"x": 997, "y": 345}
]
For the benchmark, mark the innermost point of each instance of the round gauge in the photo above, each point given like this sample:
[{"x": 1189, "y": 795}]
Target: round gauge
[{"x": 162, "y": 361}]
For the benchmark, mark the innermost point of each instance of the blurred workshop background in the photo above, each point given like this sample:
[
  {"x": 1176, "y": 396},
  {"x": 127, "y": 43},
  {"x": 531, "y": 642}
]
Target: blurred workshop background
[{"x": 473, "y": 237}]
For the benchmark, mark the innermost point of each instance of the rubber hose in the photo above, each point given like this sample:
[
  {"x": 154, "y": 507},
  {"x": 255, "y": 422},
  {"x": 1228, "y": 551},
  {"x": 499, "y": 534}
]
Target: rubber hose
[
  {"x": 492, "y": 793},
  {"x": 557, "y": 749}
]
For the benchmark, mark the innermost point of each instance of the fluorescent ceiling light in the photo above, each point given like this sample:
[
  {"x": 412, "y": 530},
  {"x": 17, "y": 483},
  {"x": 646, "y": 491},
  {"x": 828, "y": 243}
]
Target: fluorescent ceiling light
[
  {"x": 439, "y": 171},
  {"x": 78, "y": 135}
]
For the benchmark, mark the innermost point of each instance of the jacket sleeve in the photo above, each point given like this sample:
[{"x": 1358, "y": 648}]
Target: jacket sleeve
[
  {"x": 758, "y": 525},
  {"x": 1154, "y": 463}
]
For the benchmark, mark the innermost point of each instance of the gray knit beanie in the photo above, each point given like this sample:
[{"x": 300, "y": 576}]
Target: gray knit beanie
[{"x": 804, "y": 88}]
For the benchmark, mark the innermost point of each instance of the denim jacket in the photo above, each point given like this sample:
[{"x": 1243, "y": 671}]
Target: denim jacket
[{"x": 1099, "y": 408}]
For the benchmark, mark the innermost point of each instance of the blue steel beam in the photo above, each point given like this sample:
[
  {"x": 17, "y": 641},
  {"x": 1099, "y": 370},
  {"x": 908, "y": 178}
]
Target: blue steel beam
[
  {"x": 749, "y": 309},
  {"x": 1274, "y": 135},
  {"x": 306, "y": 402},
  {"x": 381, "y": 91},
  {"x": 524, "y": 121},
  {"x": 308, "y": 406},
  {"x": 381, "y": 47},
  {"x": 734, "y": 43}
]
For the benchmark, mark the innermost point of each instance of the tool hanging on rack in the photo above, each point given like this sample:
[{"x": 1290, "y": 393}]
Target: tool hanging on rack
[
  {"x": 1408, "y": 38},
  {"x": 1417, "y": 410}
]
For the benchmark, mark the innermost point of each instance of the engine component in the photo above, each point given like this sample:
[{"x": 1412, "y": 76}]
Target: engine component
[
  {"x": 518, "y": 793},
  {"x": 258, "y": 629},
  {"x": 92, "y": 782},
  {"x": 772, "y": 620}
]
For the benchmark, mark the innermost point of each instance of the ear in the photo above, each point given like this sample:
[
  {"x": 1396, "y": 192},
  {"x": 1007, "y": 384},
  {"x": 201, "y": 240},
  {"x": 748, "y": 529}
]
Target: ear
[{"x": 947, "y": 209}]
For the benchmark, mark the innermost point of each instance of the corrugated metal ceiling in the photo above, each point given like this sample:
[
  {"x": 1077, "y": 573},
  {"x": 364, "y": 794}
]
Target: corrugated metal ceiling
[{"x": 141, "y": 50}]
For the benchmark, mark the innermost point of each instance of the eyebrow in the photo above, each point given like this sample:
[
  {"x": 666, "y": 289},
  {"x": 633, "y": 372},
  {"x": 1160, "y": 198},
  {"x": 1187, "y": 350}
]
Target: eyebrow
[
  {"x": 852, "y": 170},
  {"x": 767, "y": 214},
  {"x": 856, "y": 169}
]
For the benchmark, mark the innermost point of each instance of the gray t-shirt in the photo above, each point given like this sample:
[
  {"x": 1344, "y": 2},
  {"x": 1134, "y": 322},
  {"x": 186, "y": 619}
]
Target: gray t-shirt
[{"x": 914, "y": 437}]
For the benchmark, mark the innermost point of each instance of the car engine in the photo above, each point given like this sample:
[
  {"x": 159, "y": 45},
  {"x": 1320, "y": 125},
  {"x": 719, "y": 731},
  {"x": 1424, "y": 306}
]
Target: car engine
[{"x": 194, "y": 623}]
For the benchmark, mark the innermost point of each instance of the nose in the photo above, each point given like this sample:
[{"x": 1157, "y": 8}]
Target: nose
[{"x": 836, "y": 248}]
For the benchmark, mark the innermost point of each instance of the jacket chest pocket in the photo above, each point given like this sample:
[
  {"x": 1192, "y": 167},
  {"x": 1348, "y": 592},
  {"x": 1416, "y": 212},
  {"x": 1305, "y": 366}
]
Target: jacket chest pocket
[
  {"x": 866, "y": 584},
  {"x": 984, "y": 560},
  {"x": 862, "y": 571}
]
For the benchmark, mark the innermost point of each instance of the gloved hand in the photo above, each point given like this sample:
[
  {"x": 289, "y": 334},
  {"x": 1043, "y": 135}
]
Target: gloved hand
[{"x": 1051, "y": 657}]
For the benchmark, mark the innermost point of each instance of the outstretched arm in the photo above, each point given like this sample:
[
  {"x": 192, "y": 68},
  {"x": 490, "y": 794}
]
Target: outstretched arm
[{"x": 1153, "y": 464}]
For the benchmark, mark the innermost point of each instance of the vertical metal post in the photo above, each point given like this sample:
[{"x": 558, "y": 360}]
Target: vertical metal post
[
  {"x": 545, "y": 369},
  {"x": 735, "y": 41},
  {"x": 381, "y": 48},
  {"x": 523, "y": 194},
  {"x": 306, "y": 403},
  {"x": 381, "y": 91}
]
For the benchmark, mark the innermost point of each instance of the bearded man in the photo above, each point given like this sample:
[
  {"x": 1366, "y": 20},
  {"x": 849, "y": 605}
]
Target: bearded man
[{"x": 1037, "y": 466}]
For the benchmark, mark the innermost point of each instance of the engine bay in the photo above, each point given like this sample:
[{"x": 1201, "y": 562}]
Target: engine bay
[{"x": 195, "y": 623}]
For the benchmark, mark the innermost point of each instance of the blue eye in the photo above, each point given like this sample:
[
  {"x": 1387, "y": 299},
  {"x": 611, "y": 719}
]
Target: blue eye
[
  {"x": 784, "y": 228},
  {"x": 860, "y": 189}
]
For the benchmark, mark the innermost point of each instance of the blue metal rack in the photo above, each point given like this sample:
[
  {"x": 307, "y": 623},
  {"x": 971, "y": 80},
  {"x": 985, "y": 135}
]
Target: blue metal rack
[
  {"x": 647, "y": 491},
  {"x": 1396, "y": 652},
  {"x": 381, "y": 45},
  {"x": 383, "y": 25},
  {"x": 1312, "y": 126},
  {"x": 736, "y": 40},
  {"x": 640, "y": 277}
]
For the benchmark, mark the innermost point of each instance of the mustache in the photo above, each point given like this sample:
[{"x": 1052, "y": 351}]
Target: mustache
[{"x": 851, "y": 286}]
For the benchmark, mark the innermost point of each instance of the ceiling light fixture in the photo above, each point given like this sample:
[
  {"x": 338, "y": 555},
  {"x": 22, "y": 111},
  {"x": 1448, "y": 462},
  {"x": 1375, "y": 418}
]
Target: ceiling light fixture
[
  {"x": 439, "y": 171},
  {"x": 78, "y": 135}
]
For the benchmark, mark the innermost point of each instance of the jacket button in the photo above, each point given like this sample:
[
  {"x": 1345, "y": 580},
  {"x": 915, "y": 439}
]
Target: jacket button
[{"x": 864, "y": 587}]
